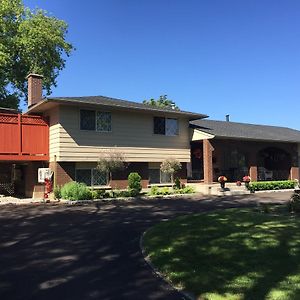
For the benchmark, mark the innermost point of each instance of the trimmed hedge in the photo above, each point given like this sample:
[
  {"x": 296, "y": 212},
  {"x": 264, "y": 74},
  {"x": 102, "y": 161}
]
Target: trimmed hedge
[
  {"x": 271, "y": 185},
  {"x": 156, "y": 191}
]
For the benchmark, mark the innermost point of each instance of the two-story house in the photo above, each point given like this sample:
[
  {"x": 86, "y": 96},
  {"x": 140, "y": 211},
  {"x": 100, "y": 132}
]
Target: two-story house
[
  {"x": 81, "y": 129},
  {"x": 70, "y": 134}
]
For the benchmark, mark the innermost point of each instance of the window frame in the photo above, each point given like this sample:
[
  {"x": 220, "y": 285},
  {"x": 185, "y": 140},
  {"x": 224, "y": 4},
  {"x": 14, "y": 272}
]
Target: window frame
[
  {"x": 92, "y": 176},
  {"x": 95, "y": 114}
]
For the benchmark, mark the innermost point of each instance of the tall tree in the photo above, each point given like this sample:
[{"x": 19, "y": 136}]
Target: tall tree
[
  {"x": 163, "y": 101},
  {"x": 31, "y": 41}
]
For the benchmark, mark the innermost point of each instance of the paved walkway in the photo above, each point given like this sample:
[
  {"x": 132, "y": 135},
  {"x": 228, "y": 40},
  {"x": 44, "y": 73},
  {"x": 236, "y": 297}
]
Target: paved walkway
[{"x": 91, "y": 252}]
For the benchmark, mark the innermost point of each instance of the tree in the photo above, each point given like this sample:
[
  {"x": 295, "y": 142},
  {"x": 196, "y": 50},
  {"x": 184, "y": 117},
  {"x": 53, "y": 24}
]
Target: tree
[
  {"x": 170, "y": 166},
  {"x": 162, "y": 102},
  {"x": 111, "y": 161},
  {"x": 30, "y": 42}
]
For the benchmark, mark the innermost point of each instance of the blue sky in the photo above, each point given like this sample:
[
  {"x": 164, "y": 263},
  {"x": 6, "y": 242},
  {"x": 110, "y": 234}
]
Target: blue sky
[{"x": 214, "y": 57}]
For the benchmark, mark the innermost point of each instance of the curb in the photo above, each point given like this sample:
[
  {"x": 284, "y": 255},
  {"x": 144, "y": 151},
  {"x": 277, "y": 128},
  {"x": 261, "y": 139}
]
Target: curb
[
  {"x": 274, "y": 191},
  {"x": 155, "y": 271},
  {"x": 108, "y": 200}
]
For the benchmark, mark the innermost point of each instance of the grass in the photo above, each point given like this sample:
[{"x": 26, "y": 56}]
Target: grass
[{"x": 230, "y": 254}]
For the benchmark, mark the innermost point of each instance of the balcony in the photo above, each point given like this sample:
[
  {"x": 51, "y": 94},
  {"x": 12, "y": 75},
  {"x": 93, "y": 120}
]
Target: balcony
[{"x": 23, "y": 138}]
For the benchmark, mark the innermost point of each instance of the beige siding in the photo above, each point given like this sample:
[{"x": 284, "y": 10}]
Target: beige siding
[
  {"x": 54, "y": 130},
  {"x": 132, "y": 134}
]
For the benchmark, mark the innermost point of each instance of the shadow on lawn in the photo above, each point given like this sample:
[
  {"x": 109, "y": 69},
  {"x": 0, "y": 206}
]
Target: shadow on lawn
[
  {"x": 232, "y": 253},
  {"x": 87, "y": 252}
]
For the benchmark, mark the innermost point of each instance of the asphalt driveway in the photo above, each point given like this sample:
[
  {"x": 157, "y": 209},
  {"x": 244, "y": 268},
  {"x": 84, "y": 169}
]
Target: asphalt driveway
[{"x": 92, "y": 251}]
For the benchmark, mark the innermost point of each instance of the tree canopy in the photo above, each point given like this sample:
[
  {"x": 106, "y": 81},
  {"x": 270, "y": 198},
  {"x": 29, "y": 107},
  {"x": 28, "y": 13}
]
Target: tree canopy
[
  {"x": 163, "y": 101},
  {"x": 31, "y": 41}
]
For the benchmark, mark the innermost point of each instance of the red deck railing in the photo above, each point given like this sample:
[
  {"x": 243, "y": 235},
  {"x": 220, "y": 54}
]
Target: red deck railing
[{"x": 23, "y": 137}]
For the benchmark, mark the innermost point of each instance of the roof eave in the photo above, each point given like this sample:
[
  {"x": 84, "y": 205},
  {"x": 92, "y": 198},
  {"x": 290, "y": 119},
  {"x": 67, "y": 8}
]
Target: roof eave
[
  {"x": 254, "y": 139},
  {"x": 191, "y": 115}
]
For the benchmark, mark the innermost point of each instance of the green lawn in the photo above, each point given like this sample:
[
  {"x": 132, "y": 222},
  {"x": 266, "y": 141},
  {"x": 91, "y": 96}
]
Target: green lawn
[{"x": 230, "y": 254}]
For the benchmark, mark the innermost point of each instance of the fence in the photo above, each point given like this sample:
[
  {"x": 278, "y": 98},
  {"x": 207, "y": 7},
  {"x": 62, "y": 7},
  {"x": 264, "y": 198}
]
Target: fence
[{"x": 23, "y": 137}]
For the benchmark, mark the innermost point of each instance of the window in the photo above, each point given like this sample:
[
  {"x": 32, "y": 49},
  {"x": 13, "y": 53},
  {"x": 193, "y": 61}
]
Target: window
[
  {"x": 165, "y": 126},
  {"x": 159, "y": 125},
  {"x": 103, "y": 121},
  {"x": 87, "y": 119},
  {"x": 156, "y": 175},
  {"x": 95, "y": 120},
  {"x": 165, "y": 177},
  {"x": 91, "y": 177},
  {"x": 171, "y": 127}
]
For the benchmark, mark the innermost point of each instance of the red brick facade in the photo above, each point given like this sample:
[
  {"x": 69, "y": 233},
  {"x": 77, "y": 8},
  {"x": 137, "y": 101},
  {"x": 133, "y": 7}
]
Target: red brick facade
[
  {"x": 65, "y": 172},
  {"x": 208, "y": 161}
]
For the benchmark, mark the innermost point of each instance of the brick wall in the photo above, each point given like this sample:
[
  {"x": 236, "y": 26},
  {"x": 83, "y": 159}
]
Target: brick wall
[
  {"x": 120, "y": 177},
  {"x": 32, "y": 187},
  {"x": 63, "y": 172}
]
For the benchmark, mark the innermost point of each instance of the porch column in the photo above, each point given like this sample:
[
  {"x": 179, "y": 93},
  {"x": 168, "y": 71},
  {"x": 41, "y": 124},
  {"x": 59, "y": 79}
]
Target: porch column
[
  {"x": 294, "y": 173},
  {"x": 253, "y": 173},
  {"x": 207, "y": 161}
]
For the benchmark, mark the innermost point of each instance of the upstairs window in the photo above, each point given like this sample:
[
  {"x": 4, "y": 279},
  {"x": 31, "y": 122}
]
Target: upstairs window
[
  {"x": 103, "y": 121},
  {"x": 87, "y": 119},
  {"x": 159, "y": 125},
  {"x": 165, "y": 126},
  {"x": 95, "y": 120},
  {"x": 171, "y": 127}
]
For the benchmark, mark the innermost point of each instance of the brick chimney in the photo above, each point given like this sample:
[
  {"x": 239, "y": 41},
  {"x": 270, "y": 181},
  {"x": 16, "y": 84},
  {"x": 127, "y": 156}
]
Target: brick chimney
[{"x": 35, "y": 83}]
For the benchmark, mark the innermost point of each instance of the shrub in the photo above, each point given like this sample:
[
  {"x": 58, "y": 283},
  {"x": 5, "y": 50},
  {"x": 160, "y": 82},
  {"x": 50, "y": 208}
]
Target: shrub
[
  {"x": 271, "y": 185},
  {"x": 94, "y": 194},
  {"x": 126, "y": 194},
  {"x": 188, "y": 190},
  {"x": 111, "y": 161},
  {"x": 134, "y": 183},
  {"x": 185, "y": 190},
  {"x": 165, "y": 191},
  {"x": 170, "y": 166},
  {"x": 177, "y": 183},
  {"x": 76, "y": 191},
  {"x": 294, "y": 203},
  {"x": 57, "y": 192},
  {"x": 154, "y": 190},
  {"x": 98, "y": 194}
]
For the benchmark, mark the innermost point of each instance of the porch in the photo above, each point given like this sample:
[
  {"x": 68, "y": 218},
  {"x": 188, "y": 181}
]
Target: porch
[{"x": 233, "y": 158}]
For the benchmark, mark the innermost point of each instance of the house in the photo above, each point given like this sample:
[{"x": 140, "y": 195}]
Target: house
[
  {"x": 83, "y": 128},
  {"x": 69, "y": 134}
]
